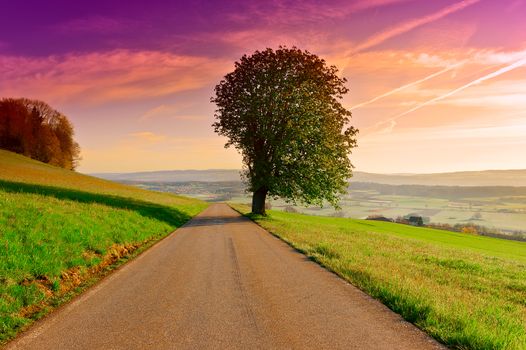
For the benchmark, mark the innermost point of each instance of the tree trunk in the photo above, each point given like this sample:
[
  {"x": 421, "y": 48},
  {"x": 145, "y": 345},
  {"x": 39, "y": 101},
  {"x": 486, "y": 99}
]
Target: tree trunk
[{"x": 258, "y": 201}]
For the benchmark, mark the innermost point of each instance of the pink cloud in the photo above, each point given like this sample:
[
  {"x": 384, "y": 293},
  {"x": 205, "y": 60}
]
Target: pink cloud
[
  {"x": 102, "y": 77},
  {"x": 409, "y": 25},
  {"x": 181, "y": 111}
]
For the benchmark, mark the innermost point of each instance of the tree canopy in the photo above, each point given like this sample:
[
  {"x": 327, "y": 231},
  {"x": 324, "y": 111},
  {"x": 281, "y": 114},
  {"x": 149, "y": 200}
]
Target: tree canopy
[
  {"x": 281, "y": 110},
  {"x": 34, "y": 129}
]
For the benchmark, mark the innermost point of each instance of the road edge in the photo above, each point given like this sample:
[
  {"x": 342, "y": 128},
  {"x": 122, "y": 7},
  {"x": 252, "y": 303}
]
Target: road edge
[
  {"x": 438, "y": 343},
  {"x": 55, "y": 304}
]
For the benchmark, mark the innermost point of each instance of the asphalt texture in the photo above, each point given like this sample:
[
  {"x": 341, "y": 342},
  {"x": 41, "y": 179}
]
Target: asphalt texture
[{"x": 222, "y": 282}]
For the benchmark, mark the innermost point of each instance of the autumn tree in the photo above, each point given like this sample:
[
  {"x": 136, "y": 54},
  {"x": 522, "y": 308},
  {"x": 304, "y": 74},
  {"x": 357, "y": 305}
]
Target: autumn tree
[
  {"x": 281, "y": 110},
  {"x": 36, "y": 130}
]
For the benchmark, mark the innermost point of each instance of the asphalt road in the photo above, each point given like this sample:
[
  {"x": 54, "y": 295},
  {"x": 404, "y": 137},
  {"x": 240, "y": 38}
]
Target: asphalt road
[{"x": 223, "y": 282}]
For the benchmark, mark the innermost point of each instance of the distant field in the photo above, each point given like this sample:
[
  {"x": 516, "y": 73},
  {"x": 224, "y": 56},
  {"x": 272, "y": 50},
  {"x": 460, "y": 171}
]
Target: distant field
[
  {"x": 467, "y": 291},
  {"x": 506, "y": 214},
  {"x": 499, "y": 208},
  {"x": 464, "y": 178},
  {"x": 60, "y": 231}
]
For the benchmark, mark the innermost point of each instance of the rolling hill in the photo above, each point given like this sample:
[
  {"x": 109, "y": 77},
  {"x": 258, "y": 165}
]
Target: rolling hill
[
  {"x": 61, "y": 231},
  {"x": 514, "y": 178}
]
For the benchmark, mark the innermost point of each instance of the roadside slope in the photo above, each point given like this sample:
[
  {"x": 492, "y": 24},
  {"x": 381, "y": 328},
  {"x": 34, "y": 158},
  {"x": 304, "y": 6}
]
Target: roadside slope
[
  {"x": 61, "y": 231},
  {"x": 17, "y": 168}
]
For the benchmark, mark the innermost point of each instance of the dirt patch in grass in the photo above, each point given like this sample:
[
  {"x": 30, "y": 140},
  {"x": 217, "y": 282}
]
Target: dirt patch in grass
[{"x": 74, "y": 277}]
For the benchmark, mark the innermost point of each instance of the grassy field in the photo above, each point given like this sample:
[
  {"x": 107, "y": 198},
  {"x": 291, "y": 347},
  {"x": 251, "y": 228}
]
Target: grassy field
[
  {"x": 469, "y": 292},
  {"x": 507, "y": 214},
  {"x": 61, "y": 231}
]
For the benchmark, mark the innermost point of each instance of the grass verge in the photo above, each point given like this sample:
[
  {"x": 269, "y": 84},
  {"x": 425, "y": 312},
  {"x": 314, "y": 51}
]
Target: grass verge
[
  {"x": 469, "y": 292},
  {"x": 54, "y": 242},
  {"x": 61, "y": 231}
]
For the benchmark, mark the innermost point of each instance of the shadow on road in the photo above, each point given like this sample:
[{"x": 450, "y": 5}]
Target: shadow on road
[{"x": 216, "y": 220}]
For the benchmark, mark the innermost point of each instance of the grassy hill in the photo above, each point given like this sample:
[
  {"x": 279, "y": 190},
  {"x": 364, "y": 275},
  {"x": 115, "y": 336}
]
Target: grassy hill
[
  {"x": 61, "y": 231},
  {"x": 467, "y": 291}
]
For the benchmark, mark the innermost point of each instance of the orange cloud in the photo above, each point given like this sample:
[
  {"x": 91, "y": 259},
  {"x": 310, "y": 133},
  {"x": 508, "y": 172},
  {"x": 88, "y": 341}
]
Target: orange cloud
[
  {"x": 503, "y": 95},
  {"x": 102, "y": 77},
  {"x": 179, "y": 112},
  {"x": 148, "y": 136},
  {"x": 403, "y": 87},
  {"x": 492, "y": 75}
]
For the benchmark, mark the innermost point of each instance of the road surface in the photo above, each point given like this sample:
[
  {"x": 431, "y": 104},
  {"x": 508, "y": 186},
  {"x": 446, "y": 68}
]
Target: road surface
[{"x": 223, "y": 282}]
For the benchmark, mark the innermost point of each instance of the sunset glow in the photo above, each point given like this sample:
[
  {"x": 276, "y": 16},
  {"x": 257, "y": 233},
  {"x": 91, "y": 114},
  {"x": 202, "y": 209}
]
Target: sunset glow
[{"x": 435, "y": 86}]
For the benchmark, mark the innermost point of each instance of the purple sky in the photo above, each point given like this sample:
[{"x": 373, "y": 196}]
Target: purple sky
[{"x": 440, "y": 80}]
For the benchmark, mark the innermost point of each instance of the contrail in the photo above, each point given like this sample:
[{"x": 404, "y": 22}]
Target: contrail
[
  {"x": 410, "y": 25},
  {"x": 431, "y": 76},
  {"x": 516, "y": 64},
  {"x": 501, "y": 71}
]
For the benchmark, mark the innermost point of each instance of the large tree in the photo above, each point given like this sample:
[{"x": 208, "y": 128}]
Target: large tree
[{"x": 281, "y": 109}]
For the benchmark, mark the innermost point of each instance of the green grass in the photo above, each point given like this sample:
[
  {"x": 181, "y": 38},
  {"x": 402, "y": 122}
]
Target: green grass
[
  {"x": 469, "y": 292},
  {"x": 505, "y": 213},
  {"x": 61, "y": 231}
]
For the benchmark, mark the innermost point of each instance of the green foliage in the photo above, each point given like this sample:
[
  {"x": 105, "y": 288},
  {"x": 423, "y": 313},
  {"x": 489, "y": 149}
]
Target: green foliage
[
  {"x": 467, "y": 291},
  {"x": 281, "y": 109}
]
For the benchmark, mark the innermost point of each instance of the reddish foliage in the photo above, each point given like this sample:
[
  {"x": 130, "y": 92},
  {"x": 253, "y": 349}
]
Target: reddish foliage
[{"x": 36, "y": 130}]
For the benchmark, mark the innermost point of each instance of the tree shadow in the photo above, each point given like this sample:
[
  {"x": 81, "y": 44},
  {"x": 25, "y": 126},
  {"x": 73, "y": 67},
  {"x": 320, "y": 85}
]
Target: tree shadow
[
  {"x": 217, "y": 220},
  {"x": 170, "y": 215}
]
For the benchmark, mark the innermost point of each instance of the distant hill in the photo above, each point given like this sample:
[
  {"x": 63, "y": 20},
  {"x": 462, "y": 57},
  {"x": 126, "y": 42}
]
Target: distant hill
[
  {"x": 464, "y": 178},
  {"x": 212, "y": 175},
  {"x": 448, "y": 192}
]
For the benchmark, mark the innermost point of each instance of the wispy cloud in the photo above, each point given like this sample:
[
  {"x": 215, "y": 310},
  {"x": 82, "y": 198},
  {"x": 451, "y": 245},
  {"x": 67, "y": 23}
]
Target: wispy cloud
[
  {"x": 96, "y": 78},
  {"x": 181, "y": 111},
  {"x": 148, "y": 136},
  {"x": 492, "y": 75},
  {"x": 388, "y": 125},
  {"x": 410, "y": 25},
  {"x": 504, "y": 95},
  {"x": 484, "y": 57},
  {"x": 160, "y": 111},
  {"x": 398, "y": 89}
]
